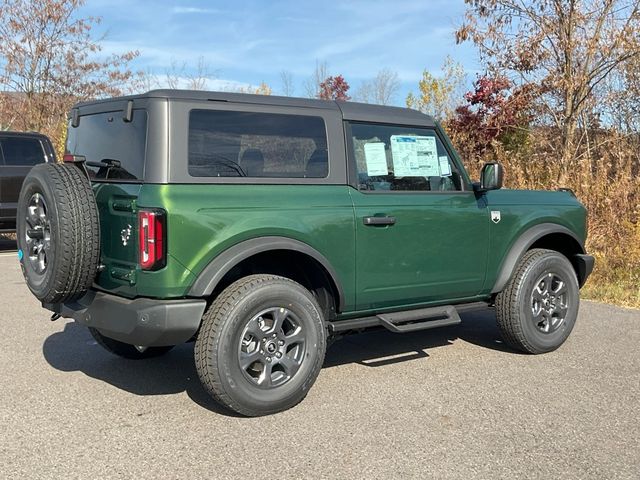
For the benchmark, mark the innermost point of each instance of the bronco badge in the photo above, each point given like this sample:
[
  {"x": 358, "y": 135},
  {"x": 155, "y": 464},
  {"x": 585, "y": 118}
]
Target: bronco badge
[
  {"x": 495, "y": 216},
  {"x": 125, "y": 235}
]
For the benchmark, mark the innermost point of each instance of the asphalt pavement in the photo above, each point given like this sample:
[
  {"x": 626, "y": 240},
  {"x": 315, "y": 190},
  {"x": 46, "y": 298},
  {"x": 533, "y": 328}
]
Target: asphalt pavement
[{"x": 449, "y": 403}]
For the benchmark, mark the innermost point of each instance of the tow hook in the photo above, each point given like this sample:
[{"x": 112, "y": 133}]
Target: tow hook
[{"x": 55, "y": 316}]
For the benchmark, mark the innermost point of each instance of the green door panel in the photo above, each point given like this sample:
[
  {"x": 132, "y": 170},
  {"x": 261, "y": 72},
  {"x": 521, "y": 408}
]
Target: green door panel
[{"x": 436, "y": 250}]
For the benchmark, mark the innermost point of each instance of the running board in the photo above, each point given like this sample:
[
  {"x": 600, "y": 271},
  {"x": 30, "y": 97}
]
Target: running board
[{"x": 402, "y": 322}]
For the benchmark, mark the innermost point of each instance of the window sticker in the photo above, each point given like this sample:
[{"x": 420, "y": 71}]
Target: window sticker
[
  {"x": 414, "y": 156},
  {"x": 376, "y": 159},
  {"x": 445, "y": 167}
]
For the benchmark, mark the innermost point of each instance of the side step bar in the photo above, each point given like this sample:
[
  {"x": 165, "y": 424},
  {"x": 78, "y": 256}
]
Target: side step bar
[{"x": 402, "y": 322}]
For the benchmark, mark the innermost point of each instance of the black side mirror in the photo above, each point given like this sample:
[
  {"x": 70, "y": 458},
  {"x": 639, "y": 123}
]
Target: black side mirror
[{"x": 491, "y": 176}]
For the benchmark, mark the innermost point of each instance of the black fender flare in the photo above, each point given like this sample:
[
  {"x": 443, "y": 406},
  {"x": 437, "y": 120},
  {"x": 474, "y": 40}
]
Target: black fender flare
[
  {"x": 214, "y": 272},
  {"x": 522, "y": 244}
]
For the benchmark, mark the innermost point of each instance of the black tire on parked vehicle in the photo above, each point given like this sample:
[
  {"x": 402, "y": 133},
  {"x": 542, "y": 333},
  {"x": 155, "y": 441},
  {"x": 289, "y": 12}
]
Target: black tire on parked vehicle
[
  {"x": 261, "y": 345},
  {"x": 538, "y": 308},
  {"x": 124, "y": 349},
  {"x": 58, "y": 232}
]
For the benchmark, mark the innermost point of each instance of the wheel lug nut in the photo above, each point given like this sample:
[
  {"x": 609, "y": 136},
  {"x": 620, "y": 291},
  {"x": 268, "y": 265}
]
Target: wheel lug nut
[
  {"x": 268, "y": 359},
  {"x": 281, "y": 342},
  {"x": 278, "y": 354},
  {"x": 262, "y": 352}
]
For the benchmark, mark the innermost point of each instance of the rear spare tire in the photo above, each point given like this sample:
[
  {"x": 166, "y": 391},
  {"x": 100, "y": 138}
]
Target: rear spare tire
[{"x": 58, "y": 232}]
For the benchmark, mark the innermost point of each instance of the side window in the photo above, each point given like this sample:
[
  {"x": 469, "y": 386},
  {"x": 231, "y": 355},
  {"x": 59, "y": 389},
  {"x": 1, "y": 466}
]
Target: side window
[
  {"x": 22, "y": 151},
  {"x": 402, "y": 158},
  {"x": 251, "y": 144}
]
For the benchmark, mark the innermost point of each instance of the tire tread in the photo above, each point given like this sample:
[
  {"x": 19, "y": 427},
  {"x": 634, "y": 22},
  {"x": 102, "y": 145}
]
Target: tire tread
[
  {"x": 208, "y": 340},
  {"x": 507, "y": 304}
]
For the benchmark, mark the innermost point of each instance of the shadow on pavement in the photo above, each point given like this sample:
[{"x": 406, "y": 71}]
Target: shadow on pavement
[
  {"x": 73, "y": 349},
  {"x": 379, "y": 348}
]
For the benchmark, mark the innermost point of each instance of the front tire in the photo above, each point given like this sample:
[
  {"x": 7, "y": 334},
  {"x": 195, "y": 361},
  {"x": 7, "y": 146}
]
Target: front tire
[
  {"x": 538, "y": 308},
  {"x": 261, "y": 345}
]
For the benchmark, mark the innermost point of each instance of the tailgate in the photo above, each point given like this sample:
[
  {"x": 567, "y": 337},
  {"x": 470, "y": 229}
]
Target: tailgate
[{"x": 118, "y": 236}]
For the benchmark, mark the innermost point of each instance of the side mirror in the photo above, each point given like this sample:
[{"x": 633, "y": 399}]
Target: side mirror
[{"x": 491, "y": 177}]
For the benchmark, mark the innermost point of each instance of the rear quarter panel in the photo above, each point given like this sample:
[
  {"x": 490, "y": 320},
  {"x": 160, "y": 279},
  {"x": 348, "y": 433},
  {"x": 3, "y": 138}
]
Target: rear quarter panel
[{"x": 206, "y": 219}]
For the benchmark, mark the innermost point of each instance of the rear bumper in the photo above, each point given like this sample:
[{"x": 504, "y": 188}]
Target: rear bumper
[
  {"x": 584, "y": 266},
  {"x": 142, "y": 321}
]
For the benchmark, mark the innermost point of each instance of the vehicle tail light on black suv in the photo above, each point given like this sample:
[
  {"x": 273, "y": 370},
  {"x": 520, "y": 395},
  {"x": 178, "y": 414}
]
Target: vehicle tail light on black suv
[{"x": 152, "y": 239}]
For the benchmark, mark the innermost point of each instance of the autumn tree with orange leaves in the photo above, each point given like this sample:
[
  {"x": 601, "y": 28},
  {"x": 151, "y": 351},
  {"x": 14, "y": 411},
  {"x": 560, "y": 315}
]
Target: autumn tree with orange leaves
[
  {"x": 564, "y": 49},
  {"x": 50, "y": 59}
]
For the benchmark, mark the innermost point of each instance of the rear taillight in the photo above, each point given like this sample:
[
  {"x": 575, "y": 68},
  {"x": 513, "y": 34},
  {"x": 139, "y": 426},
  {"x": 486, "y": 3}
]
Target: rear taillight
[
  {"x": 68, "y": 158},
  {"x": 151, "y": 234}
]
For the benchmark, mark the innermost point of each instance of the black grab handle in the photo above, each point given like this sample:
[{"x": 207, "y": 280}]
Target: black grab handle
[{"x": 373, "y": 221}]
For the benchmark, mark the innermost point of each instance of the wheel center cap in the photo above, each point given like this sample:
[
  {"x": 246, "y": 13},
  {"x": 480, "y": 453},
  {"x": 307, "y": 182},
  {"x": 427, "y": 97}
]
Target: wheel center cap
[{"x": 272, "y": 347}]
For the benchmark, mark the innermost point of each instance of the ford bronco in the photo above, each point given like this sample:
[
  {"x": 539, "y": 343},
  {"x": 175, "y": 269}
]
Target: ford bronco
[{"x": 261, "y": 227}]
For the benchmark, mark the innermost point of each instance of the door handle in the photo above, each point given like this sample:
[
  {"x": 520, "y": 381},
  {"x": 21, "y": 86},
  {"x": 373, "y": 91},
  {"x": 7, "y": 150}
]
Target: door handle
[{"x": 376, "y": 221}]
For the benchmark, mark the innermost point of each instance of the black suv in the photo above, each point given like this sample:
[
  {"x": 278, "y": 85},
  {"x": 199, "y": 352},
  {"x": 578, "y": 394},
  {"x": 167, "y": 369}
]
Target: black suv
[{"x": 18, "y": 153}]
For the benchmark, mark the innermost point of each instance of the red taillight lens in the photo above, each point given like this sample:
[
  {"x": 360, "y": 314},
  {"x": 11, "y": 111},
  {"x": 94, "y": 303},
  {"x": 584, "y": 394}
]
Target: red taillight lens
[
  {"x": 151, "y": 235},
  {"x": 69, "y": 158}
]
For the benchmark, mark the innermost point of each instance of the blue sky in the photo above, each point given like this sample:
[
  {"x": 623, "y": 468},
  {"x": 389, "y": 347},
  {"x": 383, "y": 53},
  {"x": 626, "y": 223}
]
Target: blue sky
[{"x": 247, "y": 42}]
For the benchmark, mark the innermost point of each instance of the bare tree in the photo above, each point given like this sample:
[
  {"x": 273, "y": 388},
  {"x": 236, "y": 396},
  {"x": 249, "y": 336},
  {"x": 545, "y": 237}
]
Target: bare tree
[
  {"x": 174, "y": 74},
  {"x": 181, "y": 76},
  {"x": 312, "y": 84},
  {"x": 148, "y": 80},
  {"x": 49, "y": 60},
  {"x": 286, "y": 79},
  {"x": 380, "y": 90},
  {"x": 566, "y": 48}
]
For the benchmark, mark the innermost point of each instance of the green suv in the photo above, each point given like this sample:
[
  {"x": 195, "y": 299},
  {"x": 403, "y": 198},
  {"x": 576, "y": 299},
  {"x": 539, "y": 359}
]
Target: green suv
[{"x": 261, "y": 227}]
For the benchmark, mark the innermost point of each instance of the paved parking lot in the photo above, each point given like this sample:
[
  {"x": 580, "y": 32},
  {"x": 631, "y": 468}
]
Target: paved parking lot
[{"x": 450, "y": 403}]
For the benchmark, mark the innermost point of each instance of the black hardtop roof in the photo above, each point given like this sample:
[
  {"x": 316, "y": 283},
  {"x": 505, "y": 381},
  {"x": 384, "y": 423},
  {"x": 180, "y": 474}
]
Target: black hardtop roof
[
  {"x": 350, "y": 110},
  {"x": 12, "y": 133}
]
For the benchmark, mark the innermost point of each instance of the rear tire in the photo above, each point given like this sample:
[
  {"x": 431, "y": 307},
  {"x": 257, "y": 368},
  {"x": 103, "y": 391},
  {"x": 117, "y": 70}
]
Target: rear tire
[
  {"x": 261, "y": 345},
  {"x": 58, "y": 232},
  {"x": 124, "y": 349},
  {"x": 538, "y": 308}
]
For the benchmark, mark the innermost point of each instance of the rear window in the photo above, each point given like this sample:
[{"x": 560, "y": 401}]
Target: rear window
[
  {"x": 104, "y": 137},
  {"x": 251, "y": 144},
  {"x": 20, "y": 151}
]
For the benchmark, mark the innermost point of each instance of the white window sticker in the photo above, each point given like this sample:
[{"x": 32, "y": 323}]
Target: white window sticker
[
  {"x": 376, "y": 159},
  {"x": 414, "y": 156},
  {"x": 445, "y": 167}
]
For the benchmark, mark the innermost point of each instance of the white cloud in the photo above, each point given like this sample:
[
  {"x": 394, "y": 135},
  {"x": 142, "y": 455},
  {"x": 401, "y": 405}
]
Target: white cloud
[{"x": 179, "y": 10}]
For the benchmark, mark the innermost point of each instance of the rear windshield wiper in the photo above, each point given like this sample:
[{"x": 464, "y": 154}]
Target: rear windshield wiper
[
  {"x": 106, "y": 162},
  {"x": 106, "y": 165}
]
